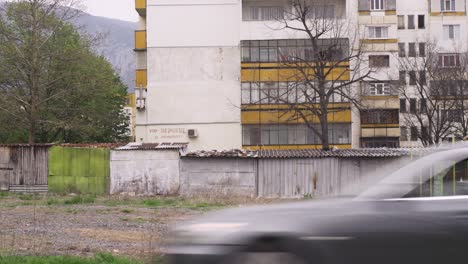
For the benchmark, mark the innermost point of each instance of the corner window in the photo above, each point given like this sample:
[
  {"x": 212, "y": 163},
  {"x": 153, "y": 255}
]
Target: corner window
[{"x": 378, "y": 32}]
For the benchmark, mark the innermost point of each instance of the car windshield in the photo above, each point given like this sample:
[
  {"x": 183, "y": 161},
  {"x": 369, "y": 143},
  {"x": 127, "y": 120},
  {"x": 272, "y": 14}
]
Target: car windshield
[{"x": 443, "y": 173}]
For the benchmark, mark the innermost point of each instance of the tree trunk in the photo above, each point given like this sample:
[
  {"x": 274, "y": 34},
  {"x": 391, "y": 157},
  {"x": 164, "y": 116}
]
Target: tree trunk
[{"x": 324, "y": 126}]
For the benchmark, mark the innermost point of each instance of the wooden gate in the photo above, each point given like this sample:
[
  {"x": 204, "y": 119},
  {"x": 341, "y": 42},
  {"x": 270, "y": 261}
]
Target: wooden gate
[{"x": 5, "y": 169}]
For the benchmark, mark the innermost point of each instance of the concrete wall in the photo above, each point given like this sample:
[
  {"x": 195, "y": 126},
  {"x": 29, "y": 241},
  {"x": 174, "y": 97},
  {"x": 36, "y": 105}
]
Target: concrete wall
[
  {"x": 216, "y": 177},
  {"x": 145, "y": 172},
  {"x": 282, "y": 178}
]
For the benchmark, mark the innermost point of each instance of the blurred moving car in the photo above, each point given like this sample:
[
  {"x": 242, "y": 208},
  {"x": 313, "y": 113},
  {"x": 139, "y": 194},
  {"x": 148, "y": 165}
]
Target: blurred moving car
[{"x": 418, "y": 214}]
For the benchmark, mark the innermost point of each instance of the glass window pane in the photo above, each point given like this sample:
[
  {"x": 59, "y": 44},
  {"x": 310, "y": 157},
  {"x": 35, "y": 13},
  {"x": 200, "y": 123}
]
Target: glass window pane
[
  {"x": 245, "y": 54},
  {"x": 254, "y": 54},
  {"x": 264, "y": 54},
  {"x": 283, "y": 135},
  {"x": 301, "y": 135}
]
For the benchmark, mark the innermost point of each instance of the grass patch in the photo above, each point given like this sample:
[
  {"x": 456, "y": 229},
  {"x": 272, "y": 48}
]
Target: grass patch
[
  {"x": 3, "y": 194},
  {"x": 26, "y": 197},
  {"x": 102, "y": 258},
  {"x": 80, "y": 200},
  {"x": 127, "y": 211}
]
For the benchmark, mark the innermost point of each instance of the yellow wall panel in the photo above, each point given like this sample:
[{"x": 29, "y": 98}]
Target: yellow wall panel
[
  {"x": 288, "y": 75},
  {"x": 288, "y": 117},
  {"x": 140, "y": 40},
  {"x": 141, "y": 79}
]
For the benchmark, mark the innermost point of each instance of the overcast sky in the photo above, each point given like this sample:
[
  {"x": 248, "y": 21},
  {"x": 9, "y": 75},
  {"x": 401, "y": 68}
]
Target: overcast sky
[{"x": 118, "y": 9}]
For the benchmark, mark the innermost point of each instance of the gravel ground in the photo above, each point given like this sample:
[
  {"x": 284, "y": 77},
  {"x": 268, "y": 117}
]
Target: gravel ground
[{"x": 84, "y": 230}]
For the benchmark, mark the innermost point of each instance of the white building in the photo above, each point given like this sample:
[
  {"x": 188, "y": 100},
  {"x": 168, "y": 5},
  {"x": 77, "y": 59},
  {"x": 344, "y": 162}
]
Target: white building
[{"x": 197, "y": 58}]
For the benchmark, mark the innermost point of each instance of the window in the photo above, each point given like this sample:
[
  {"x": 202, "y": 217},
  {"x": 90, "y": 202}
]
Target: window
[
  {"x": 378, "y": 32},
  {"x": 293, "y": 50},
  {"x": 422, "y": 49},
  {"x": 377, "y": 5},
  {"x": 423, "y": 105},
  {"x": 413, "y": 105},
  {"x": 262, "y": 13},
  {"x": 402, "y": 105},
  {"x": 414, "y": 133},
  {"x": 379, "y": 89},
  {"x": 412, "y": 49},
  {"x": 379, "y": 117},
  {"x": 401, "y": 22},
  {"x": 447, "y": 5},
  {"x": 412, "y": 78},
  {"x": 421, "y": 22},
  {"x": 424, "y": 133},
  {"x": 380, "y": 142},
  {"x": 321, "y": 11},
  {"x": 401, "y": 50},
  {"x": 402, "y": 77},
  {"x": 451, "y": 32},
  {"x": 411, "y": 22},
  {"x": 279, "y": 134},
  {"x": 379, "y": 61},
  {"x": 454, "y": 115},
  {"x": 422, "y": 77},
  {"x": 403, "y": 133},
  {"x": 449, "y": 60}
]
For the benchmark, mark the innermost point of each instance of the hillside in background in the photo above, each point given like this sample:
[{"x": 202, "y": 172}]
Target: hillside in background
[{"x": 117, "y": 45}]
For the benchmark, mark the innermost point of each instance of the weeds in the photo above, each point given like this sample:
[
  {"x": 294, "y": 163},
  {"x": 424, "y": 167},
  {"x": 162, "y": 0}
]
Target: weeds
[
  {"x": 101, "y": 258},
  {"x": 127, "y": 211},
  {"x": 3, "y": 194},
  {"x": 80, "y": 200}
]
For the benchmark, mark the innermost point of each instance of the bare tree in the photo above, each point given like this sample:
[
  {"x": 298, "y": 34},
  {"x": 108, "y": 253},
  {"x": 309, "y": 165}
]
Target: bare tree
[
  {"x": 434, "y": 79},
  {"x": 322, "y": 73}
]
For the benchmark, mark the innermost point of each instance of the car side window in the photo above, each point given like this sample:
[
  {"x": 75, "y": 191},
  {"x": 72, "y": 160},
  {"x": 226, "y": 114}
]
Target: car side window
[{"x": 447, "y": 182}]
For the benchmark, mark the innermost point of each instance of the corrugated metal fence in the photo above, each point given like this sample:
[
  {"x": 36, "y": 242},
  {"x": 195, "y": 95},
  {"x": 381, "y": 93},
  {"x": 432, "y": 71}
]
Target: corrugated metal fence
[{"x": 316, "y": 177}]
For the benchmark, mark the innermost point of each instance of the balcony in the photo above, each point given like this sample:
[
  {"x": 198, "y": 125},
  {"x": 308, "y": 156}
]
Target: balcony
[
  {"x": 140, "y": 40},
  {"x": 140, "y": 6}
]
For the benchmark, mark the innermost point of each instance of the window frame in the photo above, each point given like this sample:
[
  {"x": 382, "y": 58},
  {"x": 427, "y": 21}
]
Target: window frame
[
  {"x": 385, "y": 89},
  {"x": 377, "y": 5},
  {"x": 451, "y": 3},
  {"x": 372, "y": 30}
]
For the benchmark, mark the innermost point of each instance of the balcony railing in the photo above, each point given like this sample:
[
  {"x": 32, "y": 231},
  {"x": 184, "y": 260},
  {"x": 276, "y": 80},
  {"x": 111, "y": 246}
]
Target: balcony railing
[
  {"x": 140, "y": 6},
  {"x": 140, "y": 40}
]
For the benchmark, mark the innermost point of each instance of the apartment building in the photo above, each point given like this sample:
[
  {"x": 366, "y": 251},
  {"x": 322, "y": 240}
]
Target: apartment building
[{"x": 211, "y": 72}]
